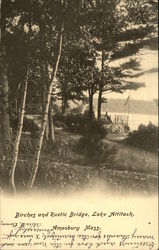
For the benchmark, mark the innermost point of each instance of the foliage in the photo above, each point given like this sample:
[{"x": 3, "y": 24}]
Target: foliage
[
  {"x": 90, "y": 27},
  {"x": 74, "y": 123},
  {"x": 114, "y": 29},
  {"x": 28, "y": 125},
  {"x": 131, "y": 170},
  {"x": 146, "y": 137},
  {"x": 96, "y": 149},
  {"x": 77, "y": 110},
  {"x": 81, "y": 123},
  {"x": 95, "y": 129},
  {"x": 74, "y": 74},
  {"x": 5, "y": 159},
  {"x": 93, "y": 145}
]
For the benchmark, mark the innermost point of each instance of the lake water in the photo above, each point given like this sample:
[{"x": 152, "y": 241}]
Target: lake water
[{"x": 136, "y": 119}]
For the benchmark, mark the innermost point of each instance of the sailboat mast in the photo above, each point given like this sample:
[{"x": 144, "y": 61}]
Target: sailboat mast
[{"x": 128, "y": 110}]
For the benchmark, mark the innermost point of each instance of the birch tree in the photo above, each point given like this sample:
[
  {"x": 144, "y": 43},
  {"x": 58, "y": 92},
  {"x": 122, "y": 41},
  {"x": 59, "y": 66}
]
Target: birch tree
[
  {"x": 69, "y": 12},
  {"x": 21, "y": 119},
  {"x": 18, "y": 136},
  {"x": 45, "y": 116}
]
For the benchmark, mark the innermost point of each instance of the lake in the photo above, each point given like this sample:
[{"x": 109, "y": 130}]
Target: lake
[{"x": 136, "y": 119}]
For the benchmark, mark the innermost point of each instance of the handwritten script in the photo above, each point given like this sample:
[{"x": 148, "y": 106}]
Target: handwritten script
[{"x": 71, "y": 230}]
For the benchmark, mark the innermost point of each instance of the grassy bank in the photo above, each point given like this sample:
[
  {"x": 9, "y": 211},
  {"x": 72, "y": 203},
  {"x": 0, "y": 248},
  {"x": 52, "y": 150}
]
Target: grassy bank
[{"x": 63, "y": 168}]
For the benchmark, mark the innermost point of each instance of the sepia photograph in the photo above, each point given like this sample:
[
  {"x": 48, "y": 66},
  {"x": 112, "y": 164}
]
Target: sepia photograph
[{"x": 79, "y": 124}]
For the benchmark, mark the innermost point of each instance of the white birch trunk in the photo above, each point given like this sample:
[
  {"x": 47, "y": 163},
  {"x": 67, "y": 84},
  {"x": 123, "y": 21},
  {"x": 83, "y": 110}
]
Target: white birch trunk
[
  {"x": 18, "y": 136},
  {"x": 45, "y": 117}
]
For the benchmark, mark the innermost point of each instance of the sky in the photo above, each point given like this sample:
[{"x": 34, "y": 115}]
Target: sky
[{"x": 149, "y": 60}]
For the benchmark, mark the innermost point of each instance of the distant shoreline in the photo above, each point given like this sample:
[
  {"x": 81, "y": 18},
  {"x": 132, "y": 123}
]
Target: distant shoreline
[{"x": 136, "y": 106}]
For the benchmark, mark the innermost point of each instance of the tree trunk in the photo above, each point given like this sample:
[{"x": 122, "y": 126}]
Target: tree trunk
[
  {"x": 5, "y": 124},
  {"x": 47, "y": 131},
  {"x": 21, "y": 115},
  {"x": 45, "y": 117},
  {"x": 43, "y": 72},
  {"x": 101, "y": 88},
  {"x": 18, "y": 136},
  {"x": 19, "y": 104},
  {"x": 51, "y": 126},
  {"x": 43, "y": 100},
  {"x": 4, "y": 106},
  {"x": 99, "y": 104},
  {"x": 16, "y": 105},
  {"x": 64, "y": 105},
  {"x": 90, "y": 106}
]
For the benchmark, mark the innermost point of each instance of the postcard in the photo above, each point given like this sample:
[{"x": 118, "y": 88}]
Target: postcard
[{"x": 78, "y": 124}]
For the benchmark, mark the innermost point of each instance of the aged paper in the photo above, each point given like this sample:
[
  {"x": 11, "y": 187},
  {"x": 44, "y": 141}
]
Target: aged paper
[
  {"x": 89, "y": 220},
  {"x": 81, "y": 203}
]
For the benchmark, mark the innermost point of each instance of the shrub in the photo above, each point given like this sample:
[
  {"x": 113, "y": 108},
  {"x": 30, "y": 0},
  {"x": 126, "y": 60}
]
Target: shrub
[
  {"x": 81, "y": 123},
  {"x": 74, "y": 123},
  {"x": 5, "y": 162},
  {"x": 77, "y": 110},
  {"x": 146, "y": 137},
  {"x": 28, "y": 124},
  {"x": 95, "y": 129},
  {"x": 96, "y": 150}
]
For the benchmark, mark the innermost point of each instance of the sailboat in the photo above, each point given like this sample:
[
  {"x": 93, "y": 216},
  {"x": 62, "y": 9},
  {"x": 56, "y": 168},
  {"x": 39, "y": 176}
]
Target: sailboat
[{"x": 127, "y": 102}]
